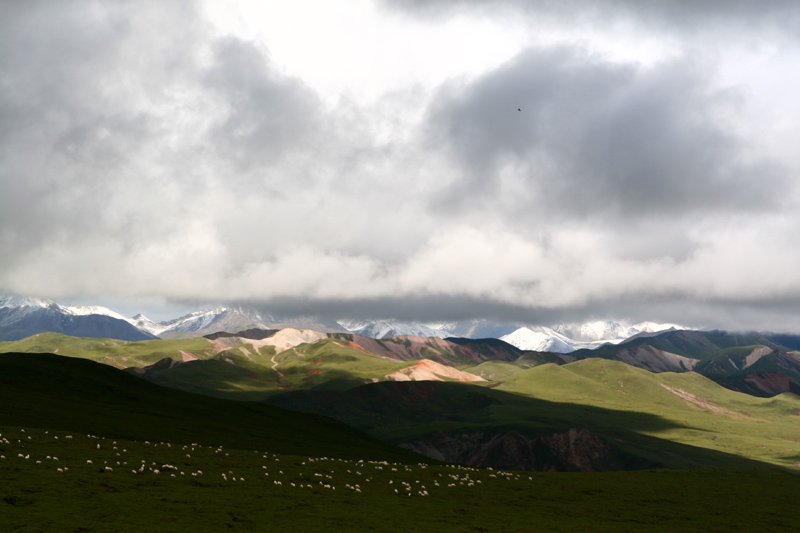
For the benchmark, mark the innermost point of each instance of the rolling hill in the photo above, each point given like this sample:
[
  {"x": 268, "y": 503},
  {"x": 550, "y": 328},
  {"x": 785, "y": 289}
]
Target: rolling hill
[
  {"x": 633, "y": 417},
  {"x": 54, "y": 392}
]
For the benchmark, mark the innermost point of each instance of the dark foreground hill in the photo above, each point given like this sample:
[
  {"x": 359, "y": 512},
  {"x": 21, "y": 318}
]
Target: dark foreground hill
[
  {"x": 59, "y": 481},
  {"x": 54, "y": 392}
]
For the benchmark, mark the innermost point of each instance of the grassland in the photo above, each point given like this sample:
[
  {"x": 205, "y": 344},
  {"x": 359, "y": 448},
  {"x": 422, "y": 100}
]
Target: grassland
[
  {"x": 68, "y": 481},
  {"x": 243, "y": 372},
  {"x": 116, "y": 353},
  {"x": 664, "y": 418},
  {"x": 698, "y": 411},
  {"x": 137, "y": 457},
  {"x": 676, "y": 420},
  {"x": 53, "y": 392}
]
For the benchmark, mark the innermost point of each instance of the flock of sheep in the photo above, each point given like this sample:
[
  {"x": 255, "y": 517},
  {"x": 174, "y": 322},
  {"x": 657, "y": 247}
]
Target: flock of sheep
[{"x": 72, "y": 454}]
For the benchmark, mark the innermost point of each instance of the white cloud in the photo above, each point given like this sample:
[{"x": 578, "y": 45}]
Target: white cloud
[{"x": 346, "y": 158}]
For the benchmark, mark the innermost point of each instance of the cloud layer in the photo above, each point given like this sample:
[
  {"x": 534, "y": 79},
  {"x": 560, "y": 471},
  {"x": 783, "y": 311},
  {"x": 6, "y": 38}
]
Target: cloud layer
[{"x": 147, "y": 153}]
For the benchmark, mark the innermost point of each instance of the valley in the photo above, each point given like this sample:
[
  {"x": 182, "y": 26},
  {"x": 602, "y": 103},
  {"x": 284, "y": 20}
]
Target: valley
[{"x": 461, "y": 428}]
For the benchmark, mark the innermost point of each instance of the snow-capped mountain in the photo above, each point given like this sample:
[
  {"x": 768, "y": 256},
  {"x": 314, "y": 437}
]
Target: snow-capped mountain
[
  {"x": 382, "y": 329},
  {"x": 211, "y": 321},
  {"x": 145, "y": 324},
  {"x": 606, "y": 330},
  {"x": 86, "y": 310},
  {"x": 566, "y": 338},
  {"x": 476, "y": 329},
  {"x": 470, "y": 329},
  {"x": 21, "y": 317},
  {"x": 539, "y": 339}
]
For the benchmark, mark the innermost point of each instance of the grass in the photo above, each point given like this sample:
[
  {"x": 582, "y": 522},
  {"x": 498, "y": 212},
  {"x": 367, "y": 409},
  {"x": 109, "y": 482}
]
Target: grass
[
  {"x": 121, "y": 491},
  {"x": 116, "y": 353},
  {"x": 49, "y": 391},
  {"x": 694, "y": 422},
  {"x": 241, "y": 372},
  {"x": 567, "y": 396},
  {"x": 701, "y": 413},
  {"x": 129, "y": 428}
]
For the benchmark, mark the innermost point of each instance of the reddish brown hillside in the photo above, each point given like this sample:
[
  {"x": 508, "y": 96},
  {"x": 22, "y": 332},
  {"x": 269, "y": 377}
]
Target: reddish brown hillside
[{"x": 410, "y": 348}]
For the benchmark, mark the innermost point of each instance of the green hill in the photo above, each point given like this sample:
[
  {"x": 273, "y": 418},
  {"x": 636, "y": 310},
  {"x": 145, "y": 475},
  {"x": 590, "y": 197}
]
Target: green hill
[
  {"x": 53, "y": 392},
  {"x": 669, "y": 419},
  {"x": 113, "y": 352}
]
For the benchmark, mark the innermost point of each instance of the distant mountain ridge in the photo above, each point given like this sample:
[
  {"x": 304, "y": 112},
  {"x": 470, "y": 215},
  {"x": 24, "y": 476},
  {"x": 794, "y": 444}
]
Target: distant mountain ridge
[
  {"x": 567, "y": 338},
  {"x": 22, "y": 317},
  {"x": 84, "y": 320}
]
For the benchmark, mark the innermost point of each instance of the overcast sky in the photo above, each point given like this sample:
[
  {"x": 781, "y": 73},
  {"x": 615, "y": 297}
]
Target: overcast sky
[{"x": 423, "y": 160}]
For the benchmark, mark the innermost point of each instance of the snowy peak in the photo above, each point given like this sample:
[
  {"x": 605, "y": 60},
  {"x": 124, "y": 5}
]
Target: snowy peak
[
  {"x": 22, "y": 317},
  {"x": 14, "y": 302},
  {"x": 566, "y": 338},
  {"x": 607, "y": 330},
  {"x": 382, "y": 329},
  {"x": 145, "y": 324},
  {"x": 85, "y": 310},
  {"x": 469, "y": 329},
  {"x": 539, "y": 339},
  {"x": 214, "y": 320}
]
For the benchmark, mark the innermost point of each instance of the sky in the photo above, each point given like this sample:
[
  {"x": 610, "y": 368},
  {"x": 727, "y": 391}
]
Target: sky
[{"x": 521, "y": 161}]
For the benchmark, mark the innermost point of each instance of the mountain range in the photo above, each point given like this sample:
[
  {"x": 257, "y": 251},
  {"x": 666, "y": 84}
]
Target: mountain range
[
  {"x": 660, "y": 399},
  {"x": 23, "y": 316}
]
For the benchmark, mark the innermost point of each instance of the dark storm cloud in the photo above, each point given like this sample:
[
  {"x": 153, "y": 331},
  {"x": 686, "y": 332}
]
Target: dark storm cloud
[
  {"x": 141, "y": 155},
  {"x": 586, "y": 135},
  {"x": 269, "y": 116},
  {"x": 693, "y": 15},
  {"x": 410, "y": 308},
  {"x": 73, "y": 76}
]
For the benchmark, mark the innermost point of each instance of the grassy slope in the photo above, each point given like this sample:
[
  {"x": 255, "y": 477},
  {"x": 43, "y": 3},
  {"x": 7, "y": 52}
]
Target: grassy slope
[
  {"x": 622, "y": 403},
  {"x": 318, "y": 364},
  {"x": 49, "y": 391},
  {"x": 758, "y": 428},
  {"x": 87, "y": 497},
  {"x": 116, "y": 353},
  {"x": 46, "y": 394},
  {"x": 245, "y": 373},
  {"x": 241, "y": 372},
  {"x": 494, "y": 370}
]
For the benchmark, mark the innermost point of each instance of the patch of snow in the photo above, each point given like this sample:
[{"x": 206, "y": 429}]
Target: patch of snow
[
  {"x": 540, "y": 339},
  {"x": 85, "y": 310},
  {"x": 382, "y": 329}
]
